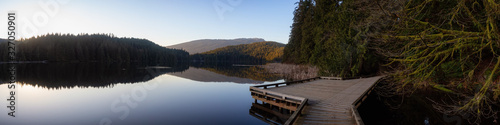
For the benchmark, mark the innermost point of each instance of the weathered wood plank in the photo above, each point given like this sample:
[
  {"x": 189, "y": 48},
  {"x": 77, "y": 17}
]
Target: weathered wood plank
[
  {"x": 296, "y": 114},
  {"x": 330, "y": 101}
]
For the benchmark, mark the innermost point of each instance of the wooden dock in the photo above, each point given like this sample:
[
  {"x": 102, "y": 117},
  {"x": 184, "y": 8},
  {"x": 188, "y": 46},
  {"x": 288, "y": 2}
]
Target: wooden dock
[{"x": 322, "y": 100}]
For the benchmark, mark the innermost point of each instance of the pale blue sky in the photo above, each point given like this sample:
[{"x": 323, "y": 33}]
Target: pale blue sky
[{"x": 165, "y": 22}]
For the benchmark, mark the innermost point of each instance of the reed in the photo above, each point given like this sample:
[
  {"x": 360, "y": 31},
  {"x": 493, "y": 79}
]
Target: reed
[{"x": 291, "y": 71}]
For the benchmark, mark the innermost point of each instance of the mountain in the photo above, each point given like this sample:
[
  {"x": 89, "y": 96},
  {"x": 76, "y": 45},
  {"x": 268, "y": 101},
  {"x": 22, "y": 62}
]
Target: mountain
[
  {"x": 253, "y": 52},
  {"x": 204, "y": 45}
]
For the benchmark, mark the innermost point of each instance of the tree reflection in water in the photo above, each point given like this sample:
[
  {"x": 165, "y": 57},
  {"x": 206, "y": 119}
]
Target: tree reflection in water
[{"x": 83, "y": 75}]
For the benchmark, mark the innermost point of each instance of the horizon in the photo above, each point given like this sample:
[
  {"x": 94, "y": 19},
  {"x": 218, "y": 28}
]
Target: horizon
[
  {"x": 162, "y": 45},
  {"x": 165, "y": 23}
]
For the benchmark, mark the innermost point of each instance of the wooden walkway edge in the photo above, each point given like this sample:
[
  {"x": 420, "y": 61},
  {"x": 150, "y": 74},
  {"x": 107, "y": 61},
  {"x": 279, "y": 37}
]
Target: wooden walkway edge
[{"x": 320, "y": 100}]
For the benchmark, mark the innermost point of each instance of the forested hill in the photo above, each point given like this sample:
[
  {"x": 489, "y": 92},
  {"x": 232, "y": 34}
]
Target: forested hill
[
  {"x": 204, "y": 45},
  {"x": 253, "y": 52},
  {"x": 92, "y": 48}
]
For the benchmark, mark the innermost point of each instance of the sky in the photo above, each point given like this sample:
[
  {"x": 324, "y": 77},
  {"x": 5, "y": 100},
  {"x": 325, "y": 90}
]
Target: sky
[{"x": 165, "y": 22}]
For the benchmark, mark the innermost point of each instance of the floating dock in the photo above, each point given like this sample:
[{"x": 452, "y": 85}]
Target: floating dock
[{"x": 321, "y": 100}]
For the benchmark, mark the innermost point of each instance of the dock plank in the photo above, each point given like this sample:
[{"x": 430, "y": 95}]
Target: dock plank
[{"x": 330, "y": 101}]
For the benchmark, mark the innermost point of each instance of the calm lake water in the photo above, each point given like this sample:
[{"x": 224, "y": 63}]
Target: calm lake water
[{"x": 75, "y": 93}]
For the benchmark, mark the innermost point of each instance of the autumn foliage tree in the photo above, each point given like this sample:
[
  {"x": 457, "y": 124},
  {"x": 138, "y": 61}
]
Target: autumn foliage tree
[{"x": 259, "y": 52}]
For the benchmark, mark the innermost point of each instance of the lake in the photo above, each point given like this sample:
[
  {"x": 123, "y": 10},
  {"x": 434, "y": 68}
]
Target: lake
[{"x": 124, "y": 93}]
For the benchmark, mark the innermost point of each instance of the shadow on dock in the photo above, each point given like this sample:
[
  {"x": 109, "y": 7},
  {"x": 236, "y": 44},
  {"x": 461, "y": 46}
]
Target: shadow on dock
[{"x": 320, "y": 100}]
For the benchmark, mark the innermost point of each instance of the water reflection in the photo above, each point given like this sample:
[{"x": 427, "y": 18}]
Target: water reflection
[
  {"x": 84, "y": 75},
  {"x": 243, "y": 71},
  {"x": 100, "y": 75},
  {"x": 235, "y": 74},
  {"x": 272, "y": 111},
  {"x": 87, "y": 93}
]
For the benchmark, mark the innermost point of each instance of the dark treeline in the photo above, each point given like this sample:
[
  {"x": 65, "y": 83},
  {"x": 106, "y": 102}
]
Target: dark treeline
[
  {"x": 70, "y": 75},
  {"x": 93, "y": 48},
  {"x": 253, "y": 53}
]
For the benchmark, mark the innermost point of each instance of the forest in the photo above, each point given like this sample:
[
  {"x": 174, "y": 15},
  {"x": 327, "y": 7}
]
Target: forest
[
  {"x": 330, "y": 35},
  {"x": 93, "y": 48},
  {"x": 259, "y": 52},
  {"x": 451, "y": 46}
]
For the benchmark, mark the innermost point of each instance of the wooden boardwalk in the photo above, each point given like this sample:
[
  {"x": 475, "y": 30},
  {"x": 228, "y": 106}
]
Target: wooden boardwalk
[{"x": 328, "y": 101}]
